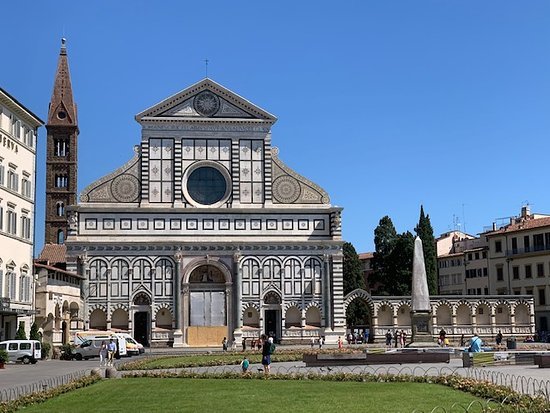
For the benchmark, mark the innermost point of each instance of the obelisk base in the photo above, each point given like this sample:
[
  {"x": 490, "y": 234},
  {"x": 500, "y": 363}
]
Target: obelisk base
[{"x": 421, "y": 330}]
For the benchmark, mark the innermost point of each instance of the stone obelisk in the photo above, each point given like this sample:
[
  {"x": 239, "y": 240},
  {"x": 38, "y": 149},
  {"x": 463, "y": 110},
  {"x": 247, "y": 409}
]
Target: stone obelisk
[{"x": 421, "y": 313}]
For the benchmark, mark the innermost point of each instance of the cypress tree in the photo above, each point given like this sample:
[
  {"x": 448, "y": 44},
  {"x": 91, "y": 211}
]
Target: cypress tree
[
  {"x": 385, "y": 236},
  {"x": 20, "y": 334},
  {"x": 34, "y": 335},
  {"x": 426, "y": 233}
]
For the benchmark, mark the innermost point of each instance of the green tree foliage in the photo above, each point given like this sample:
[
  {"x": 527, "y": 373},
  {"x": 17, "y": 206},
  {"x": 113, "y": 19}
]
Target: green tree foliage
[
  {"x": 357, "y": 312},
  {"x": 34, "y": 335},
  {"x": 384, "y": 239},
  {"x": 392, "y": 260},
  {"x": 20, "y": 335},
  {"x": 426, "y": 233},
  {"x": 399, "y": 265},
  {"x": 353, "y": 270}
]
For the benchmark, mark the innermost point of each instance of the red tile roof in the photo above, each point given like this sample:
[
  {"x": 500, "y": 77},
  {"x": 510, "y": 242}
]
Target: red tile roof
[
  {"x": 365, "y": 255},
  {"x": 521, "y": 224},
  {"x": 53, "y": 254},
  {"x": 59, "y": 270}
]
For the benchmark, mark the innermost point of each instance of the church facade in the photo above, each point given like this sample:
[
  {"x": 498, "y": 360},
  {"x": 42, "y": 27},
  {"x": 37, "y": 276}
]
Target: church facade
[{"x": 205, "y": 233}]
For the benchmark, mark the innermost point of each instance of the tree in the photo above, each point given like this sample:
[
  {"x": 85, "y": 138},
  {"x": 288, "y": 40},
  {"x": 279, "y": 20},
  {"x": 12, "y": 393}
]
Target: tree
[
  {"x": 353, "y": 270},
  {"x": 34, "y": 335},
  {"x": 20, "y": 335},
  {"x": 426, "y": 233},
  {"x": 357, "y": 312},
  {"x": 399, "y": 265},
  {"x": 384, "y": 240}
]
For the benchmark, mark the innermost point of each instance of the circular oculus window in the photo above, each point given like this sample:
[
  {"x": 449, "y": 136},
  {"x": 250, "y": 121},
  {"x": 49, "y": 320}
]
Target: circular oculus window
[{"x": 206, "y": 185}]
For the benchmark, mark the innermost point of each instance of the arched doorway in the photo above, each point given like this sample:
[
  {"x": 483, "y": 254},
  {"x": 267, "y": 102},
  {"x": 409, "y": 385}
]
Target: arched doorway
[
  {"x": 272, "y": 315},
  {"x": 142, "y": 318},
  {"x": 207, "y": 306}
]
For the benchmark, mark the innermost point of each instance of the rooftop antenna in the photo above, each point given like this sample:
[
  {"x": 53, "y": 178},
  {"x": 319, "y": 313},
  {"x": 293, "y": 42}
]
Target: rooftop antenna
[
  {"x": 463, "y": 220},
  {"x": 206, "y": 68}
]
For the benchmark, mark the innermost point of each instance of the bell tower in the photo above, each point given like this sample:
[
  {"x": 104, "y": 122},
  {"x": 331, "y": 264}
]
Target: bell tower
[{"x": 61, "y": 152}]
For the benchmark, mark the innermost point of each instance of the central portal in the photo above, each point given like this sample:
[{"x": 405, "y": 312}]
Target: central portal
[
  {"x": 272, "y": 323},
  {"x": 141, "y": 324}
]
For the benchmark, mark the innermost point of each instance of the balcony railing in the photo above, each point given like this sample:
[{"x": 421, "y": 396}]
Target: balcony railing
[{"x": 527, "y": 250}]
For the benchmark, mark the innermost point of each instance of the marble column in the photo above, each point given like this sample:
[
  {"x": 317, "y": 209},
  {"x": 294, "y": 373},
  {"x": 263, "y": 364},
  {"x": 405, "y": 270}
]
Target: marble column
[
  {"x": 238, "y": 307},
  {"x": 85, "y": 293},
  {"x": 178, "y": 276},
  {"x": 327, "y": 301}
]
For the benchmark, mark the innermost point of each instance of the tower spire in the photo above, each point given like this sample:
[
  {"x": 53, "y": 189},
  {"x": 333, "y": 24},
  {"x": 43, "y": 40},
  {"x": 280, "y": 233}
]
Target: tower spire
[
  {"x": 61, "y": 153},
  {"x": 62, "y": 111}
]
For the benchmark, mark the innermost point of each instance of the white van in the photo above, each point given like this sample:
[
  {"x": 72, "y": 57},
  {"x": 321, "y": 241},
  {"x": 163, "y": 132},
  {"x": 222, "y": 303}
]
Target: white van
[
  {"x": 132, "y": 346},
  {"x": 82, "y": 336},
  {"x": 26, "y": 351}
]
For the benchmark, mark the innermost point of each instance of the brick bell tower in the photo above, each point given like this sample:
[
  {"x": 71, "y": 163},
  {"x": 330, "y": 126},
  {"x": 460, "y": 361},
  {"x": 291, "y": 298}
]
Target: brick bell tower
[{"x": 61, "y": 153}]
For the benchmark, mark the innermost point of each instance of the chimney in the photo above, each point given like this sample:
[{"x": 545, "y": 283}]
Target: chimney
[
  {"x": 494, "y": 226},
  {"x": 525, "y": 211}
]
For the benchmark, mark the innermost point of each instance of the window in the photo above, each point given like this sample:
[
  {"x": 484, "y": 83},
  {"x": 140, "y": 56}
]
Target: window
[
  {"x": 61, "y": 181},
  {"x": 15, "y": 127},
  {"x": 542, "y": 296},
  {"x": 24, "y": 287},
  {"x": 60, "y": 209},
  {"x": 28, "y": 138},
  {"x": 26, "y": 189},
  {"x": 486, "y": 291},
  {"x": 515, "y": 272},
  {"x": 10, "y": 283},
  {"x": 500, "y": 274},
  {"x": 477, "y": 255},
  {"x": 11, "y": 218},
  {"x": 526, "y": 243},
  {"x": 484, "y": 254},
  {"x": 485, "y": 271},
  {"x": 13, "y": 180},
  {"x": 529, "y": 291},
  {"x": 1, "y": 173},
  {"x": 540, "y": 270},
  {"x": 528, "y": 271},
  {"x": 60, "y": 236},
  {"x": 546, "y": 237},
  {"x": 1, "y": 280},
  {"x": 498, "y": 246},
  {"x": 514, "y": 245},
  {"x": 538, "y": 242},
  {"x": 1, "y": 221},
  {"x": 206, "y": 185},
  {"x": 470, "y": 256},
  {"x": 61, "y": 147},
  {"x": 26, "y": 227}
]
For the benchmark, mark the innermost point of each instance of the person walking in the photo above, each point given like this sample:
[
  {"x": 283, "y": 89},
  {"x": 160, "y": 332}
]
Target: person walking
[
  {"x": 111, "y": 350},
  {"x": 312, "y": 342},
  {"x": 103, "y": 354},
  {"x": 340, "y": 343},
  {"x": 320, "y": 342},
  {"x": 224, "y": 344},
  {"x": 266, "y": 354},
  {"x": 388, "y": 339},
  {"x": 244, "y": 344}
]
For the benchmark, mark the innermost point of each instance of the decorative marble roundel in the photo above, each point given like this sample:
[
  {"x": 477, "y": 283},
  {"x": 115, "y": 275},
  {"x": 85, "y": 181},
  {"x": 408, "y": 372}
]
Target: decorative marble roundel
[
  {"x": 286, "y": 189},
  {"x": 206, "y": 103},
  {"x": 125, "y": 188}
]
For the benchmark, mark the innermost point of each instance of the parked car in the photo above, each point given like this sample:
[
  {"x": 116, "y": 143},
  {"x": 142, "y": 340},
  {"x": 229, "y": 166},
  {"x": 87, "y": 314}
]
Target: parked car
[{"x": 26, "y": 351}]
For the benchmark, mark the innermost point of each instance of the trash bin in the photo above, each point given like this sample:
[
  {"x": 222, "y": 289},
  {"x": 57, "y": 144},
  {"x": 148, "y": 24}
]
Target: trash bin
[{"x": 511, "y": 343}]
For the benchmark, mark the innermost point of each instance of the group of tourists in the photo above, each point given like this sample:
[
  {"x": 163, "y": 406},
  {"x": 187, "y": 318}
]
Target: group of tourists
[
  {"x": 268, "y": 348},
  {"x": 398, "y": 339}
]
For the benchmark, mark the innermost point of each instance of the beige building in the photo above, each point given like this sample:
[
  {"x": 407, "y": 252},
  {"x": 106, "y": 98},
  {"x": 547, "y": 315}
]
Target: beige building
[
  {"x": 18, "y": 132},
  {"x": 519, "y": 261}
]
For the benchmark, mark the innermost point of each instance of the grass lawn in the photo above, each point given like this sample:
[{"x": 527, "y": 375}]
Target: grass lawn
[{"x": 231, "y": 395}]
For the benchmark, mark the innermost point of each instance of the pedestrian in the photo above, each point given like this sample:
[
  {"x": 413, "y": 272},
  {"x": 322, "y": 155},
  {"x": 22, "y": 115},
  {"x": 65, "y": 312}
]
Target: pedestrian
[
  {"x": 398, "y": 339},
  {"x": 224, "y": 344},
  {"x": 366, "y": 335},
  {"x": 244, "y": 344},
  {"x": 320, "y": 343},
  {"x": 259, "y": 344},
  {"x": 441, "y": 340},
  {"x": 462, "y": 341},
  {"x": 499, "y": 338},
  {"x": 475, "y": 344},
  {"x": 404, "y": 337},
  {"x": 111, "y": 350},
  {"x": 388, "y": 339},
  {"x": 395, "y": 338},
  {"x": 245, "y": 364},
  {"x": 312, "y": 342},
  {"x": 103, "y": 353},
  {"x": 340, "y": 343},
  {"x": 266, "y": 354},
  {"x": 234, "y": 345}
]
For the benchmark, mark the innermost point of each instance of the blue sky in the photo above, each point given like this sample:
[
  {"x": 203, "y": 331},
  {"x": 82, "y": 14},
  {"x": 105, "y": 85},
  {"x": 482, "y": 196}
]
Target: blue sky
[{"x": 385, "y": 104}]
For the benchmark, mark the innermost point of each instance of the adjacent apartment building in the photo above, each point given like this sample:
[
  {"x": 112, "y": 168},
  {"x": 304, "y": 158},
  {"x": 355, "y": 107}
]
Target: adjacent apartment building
[
  {"x": 513, "y": 259},
  {"x": 18, "y": 133}
]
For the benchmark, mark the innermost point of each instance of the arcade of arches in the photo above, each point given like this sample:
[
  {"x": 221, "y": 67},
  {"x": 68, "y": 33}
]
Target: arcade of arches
[{"x": 457, "y": 315}]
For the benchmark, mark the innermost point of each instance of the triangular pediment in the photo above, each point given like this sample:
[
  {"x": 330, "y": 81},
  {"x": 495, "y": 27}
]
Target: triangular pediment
[{"x": 206, "y": 100}]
